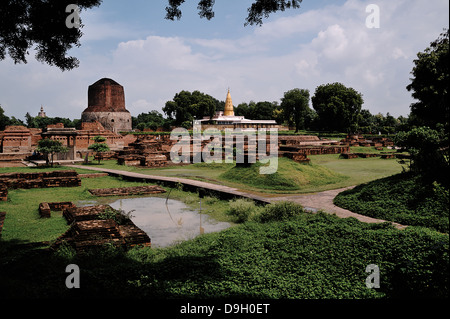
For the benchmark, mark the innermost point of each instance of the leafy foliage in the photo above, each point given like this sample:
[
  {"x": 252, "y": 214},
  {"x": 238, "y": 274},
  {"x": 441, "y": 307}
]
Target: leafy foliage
[
  {"x": 295, "y": 106},
  {"x": 258, "y": 9},
  {"x": 99, "y": 146},
  {"x": 187, "y": 106},
  {"x": 429, "y": 85},
  {"x": 304, "y": 256},
  {"x": 50, "y": 147},
  {"x": 41, "y": 23},
  {"x": 118, "y": 215},
  {"x": 337, "y": 106},
  {"x": 429, "y": 152},
  {"x": 403, "y": 198}
]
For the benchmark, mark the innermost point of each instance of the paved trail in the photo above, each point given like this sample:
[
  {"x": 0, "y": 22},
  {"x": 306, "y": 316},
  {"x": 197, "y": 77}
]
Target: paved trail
[{"x": 315, "y": 201}]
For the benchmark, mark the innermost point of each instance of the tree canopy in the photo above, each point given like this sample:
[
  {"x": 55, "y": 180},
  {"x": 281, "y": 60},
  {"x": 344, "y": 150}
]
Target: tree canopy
[
  {"x": 48, "y": 146},
  {"x": 186, "y": 107},
  {"x": 258, "y": 10},
  {"x": 40, "y": 24},
  {"x": 295, "y": 106},
  {"x": 337, "y": 106},
  {"x": 429, "y": 84}
]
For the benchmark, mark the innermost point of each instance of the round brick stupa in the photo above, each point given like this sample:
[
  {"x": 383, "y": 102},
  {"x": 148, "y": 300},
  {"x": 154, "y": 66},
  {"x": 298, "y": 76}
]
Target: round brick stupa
[{"x": 106, "y": 104}]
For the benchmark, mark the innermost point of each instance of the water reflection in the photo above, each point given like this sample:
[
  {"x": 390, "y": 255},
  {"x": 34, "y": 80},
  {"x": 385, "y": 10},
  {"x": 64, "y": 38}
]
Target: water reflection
[{"x": 166, "y": 221}]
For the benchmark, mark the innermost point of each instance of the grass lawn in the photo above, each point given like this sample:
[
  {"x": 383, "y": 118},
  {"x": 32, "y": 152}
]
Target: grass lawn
[
  {"x": 324, "y": 173},
  {"x": 23, "y": 223}
]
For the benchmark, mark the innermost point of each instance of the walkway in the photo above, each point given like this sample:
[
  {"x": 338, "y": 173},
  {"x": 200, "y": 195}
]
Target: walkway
[{"x": 315, "y": 201}]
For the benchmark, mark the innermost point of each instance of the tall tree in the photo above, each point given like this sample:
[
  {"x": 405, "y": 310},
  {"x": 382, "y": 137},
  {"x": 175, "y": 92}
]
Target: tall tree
[
  {"x": 429, "y": 84},
  {"x": 295, "y": 106},
  {"x": 338, "y": 107},
  {"x": 42, "y": 24}
]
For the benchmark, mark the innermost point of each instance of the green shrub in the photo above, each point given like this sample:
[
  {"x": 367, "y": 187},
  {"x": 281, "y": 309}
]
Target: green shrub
[
  {"x": 280, "y": 211},
  {"x": 118, "y": 215},
  {"x": 242, "y": 209}
]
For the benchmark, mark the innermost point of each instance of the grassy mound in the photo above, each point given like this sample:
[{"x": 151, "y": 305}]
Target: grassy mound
[
  {"x": 403, "y": 198},
  {"x": 290, "y": 176}
]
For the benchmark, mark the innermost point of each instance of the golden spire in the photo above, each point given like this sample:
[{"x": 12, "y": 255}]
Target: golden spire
[{"x": 229, "y": 110}]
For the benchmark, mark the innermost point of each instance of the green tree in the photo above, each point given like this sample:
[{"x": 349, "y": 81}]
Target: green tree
[
  {"x": 151, "y": 120},
  {"x": 338, "y": 107},
  {"x": 429, "y": 84},
  {"x": 187, "y": 106},
  {"x": 4, "y": 119},
  {"x": 295, "y": 106},
  {"x": 258, "y": 9},
  {"x": 99, "y": 147},
  {"x": 428, "y": 149},
  {"x": 50, "y": 147},
  {"x": 42, "y": 25}
]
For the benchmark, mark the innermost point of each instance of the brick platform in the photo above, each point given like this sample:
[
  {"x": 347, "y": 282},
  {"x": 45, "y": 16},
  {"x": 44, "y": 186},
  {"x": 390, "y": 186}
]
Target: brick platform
[
  {"x": 127, "y": 191},
  {"x": 87, "y": 230},
  {"x": 66, "y": 178}
]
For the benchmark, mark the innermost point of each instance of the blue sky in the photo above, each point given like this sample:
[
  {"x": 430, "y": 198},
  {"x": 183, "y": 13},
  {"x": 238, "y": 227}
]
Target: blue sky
[{"x": 322, "y": 42}]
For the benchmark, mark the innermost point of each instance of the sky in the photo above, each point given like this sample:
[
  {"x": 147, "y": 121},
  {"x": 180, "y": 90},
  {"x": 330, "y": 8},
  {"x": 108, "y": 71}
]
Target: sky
[{"x": 324, "y": 41}]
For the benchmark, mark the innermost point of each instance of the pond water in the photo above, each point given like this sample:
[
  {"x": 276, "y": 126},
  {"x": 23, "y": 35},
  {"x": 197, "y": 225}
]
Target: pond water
[{"x": 166, "y": 223}]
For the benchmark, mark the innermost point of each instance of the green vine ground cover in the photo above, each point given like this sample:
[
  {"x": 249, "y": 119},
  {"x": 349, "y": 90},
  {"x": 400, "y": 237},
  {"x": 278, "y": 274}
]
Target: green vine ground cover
[
  {"x": 403, "y": 198},
  {"x": 305, "y": 256}
]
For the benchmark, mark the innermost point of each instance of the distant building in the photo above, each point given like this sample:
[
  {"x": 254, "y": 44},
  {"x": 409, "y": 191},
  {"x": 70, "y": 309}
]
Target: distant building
[
  {"x": 42, "y": 113},
  {"x": 227, "y": 119}
]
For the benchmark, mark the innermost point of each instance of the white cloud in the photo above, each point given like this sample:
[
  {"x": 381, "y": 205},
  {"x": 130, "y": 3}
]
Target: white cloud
[{"x": 330, "y": 44}]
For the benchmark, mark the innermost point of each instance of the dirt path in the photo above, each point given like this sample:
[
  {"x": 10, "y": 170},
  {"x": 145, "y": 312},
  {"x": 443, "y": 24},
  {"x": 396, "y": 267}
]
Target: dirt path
[{"x": 314, "y": 201}]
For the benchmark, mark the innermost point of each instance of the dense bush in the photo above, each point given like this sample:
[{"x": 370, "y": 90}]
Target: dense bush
[
  {"x": 403, "y": 198},
  {"x": 243, "y": 209},
  {"x": 280, "y": 211}
]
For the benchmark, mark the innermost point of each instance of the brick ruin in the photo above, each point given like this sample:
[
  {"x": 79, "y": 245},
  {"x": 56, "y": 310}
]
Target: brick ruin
[
  {"x": 148, "y": 151},
  {"x": 127, "y": 191},
  {"x": 66, "y": 178},
  {"x": 106, "y": 104},
  {"x": 359, "y": 140},
  {"x": 45, "y": 209},
  {"x": 154, "y": 151},
  {"x": 17, "y": 143},
  {"x": 63, "y": 178},
  {"x": 88, "y": 230}
]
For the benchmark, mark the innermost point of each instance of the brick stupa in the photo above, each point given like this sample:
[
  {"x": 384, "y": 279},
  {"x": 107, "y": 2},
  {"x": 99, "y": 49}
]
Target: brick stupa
[{"x": 106, "y": 104}]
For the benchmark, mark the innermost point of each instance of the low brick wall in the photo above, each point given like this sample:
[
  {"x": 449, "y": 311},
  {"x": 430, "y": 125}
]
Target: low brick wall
[
  {"x": 66, "y": 178},
  {"x": 127, "y": 191},
  {"x": 93, "y": 175},
  {"x": 45, "y": 209},
  {"x": 3, "y": 193}
]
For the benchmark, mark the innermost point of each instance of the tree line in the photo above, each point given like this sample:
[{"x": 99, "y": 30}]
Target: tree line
[{"x": 335, "y": 107}]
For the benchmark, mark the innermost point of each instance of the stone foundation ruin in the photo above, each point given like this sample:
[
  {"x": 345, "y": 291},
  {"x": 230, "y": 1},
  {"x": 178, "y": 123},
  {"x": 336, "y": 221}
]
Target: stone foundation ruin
[
  {"x": 127, "y": 191},
  {"x": 88, "y": 230}
]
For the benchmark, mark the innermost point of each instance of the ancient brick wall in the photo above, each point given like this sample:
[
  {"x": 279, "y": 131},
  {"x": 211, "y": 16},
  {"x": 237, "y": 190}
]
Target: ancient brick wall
[{"x": 66, "y": 178}]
